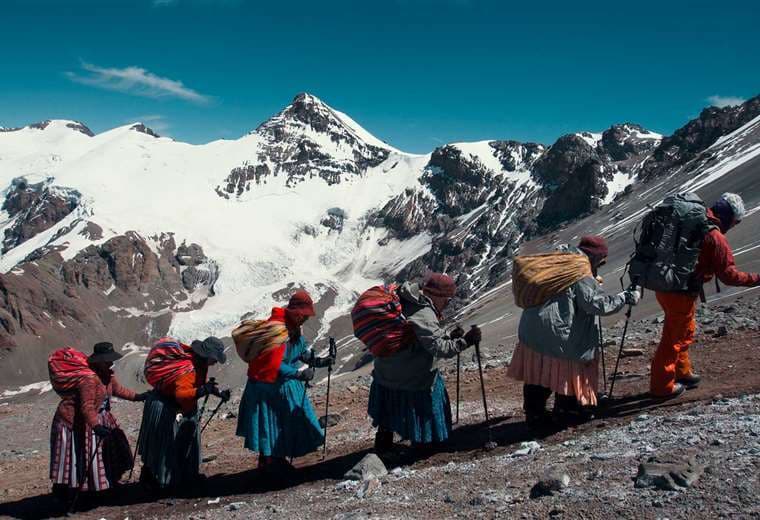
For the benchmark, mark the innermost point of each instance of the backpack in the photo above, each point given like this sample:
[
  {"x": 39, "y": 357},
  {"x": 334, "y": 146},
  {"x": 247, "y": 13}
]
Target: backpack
[
  {"x": 379, "y": 322},
  {"x": 167, "y": 360},
  {"x": 252, "y": 337},
  {"x": 669, "y": 244},
  {"x": 538, "y": 278},
  {"x": 67, "y": 367}
]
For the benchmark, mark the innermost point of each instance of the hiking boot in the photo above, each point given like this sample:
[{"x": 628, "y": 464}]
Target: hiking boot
[
  {"x": 678, "y": 389},
  {"x": 383, "y": 441},
  {"x": 689, "y": 381}
]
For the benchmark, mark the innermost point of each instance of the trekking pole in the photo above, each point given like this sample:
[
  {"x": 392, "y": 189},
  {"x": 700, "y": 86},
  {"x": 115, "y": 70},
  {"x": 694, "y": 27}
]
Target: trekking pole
[
  {"x": 458, "y": 365},
  {"x": 88, "y": 468},
  {"x": 137, "y": 450},
  {"x": 221, "y": 402},
  {"x": 604, "y": 364},
  {"x": 333, "y": 353},
  {"x": 490, "y": 444},
  {"x": 632, "y": 287}
]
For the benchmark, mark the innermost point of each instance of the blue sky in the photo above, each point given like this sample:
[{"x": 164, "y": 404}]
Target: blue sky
[{"x": 416, "y": 73}]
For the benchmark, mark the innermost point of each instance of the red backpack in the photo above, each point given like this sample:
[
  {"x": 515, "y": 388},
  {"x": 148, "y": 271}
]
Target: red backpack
[
  {"x": 379, "y": 322},
  {"x": 67, "y": 367}
]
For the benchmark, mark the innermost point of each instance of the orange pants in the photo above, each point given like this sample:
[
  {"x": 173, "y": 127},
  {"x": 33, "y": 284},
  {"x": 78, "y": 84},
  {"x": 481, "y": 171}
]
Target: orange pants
[{"x": 671, "y": 361}]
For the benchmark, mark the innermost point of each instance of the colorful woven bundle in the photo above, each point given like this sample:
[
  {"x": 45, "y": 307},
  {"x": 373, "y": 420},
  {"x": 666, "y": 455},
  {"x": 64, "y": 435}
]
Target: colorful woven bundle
[
  {"x": 252, "y": 337},
  {"x": 379, "y": 322},
  {"x": 167, "y": 361},
  {"x": 67, "y": 367}
]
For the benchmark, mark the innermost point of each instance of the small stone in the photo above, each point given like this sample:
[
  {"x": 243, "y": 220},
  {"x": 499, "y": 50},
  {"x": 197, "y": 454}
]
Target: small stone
[
  {"x": 643, "y": 417},
  {"x": 526, "y": 448},
  {"x": 332, "y": 420},
  {"x": 631, "y": 352},
  {"x": 554, "y": 480},
  {"x": 230, "y": 415},
  {"x": 368, "y": 488},
  {"x": 368, "y": 468},
  {"x": 214, "y": 501},
  {"x": 210, "y": 458},
  {"x": 235, "y": 506},
  {"x": 722, "y": 331},
  {"x": 717, "y": 442},
  {"x": 668, "y": 474}
]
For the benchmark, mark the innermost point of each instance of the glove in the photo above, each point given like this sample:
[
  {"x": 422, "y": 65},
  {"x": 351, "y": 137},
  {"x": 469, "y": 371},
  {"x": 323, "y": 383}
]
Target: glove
[
  {"x": 142, "y": 397},
  {"x": 101, "y": 431},
  {"x": 224, "y": 395},
  {"x": 322, "y": 362},
  {"x": 457, "y": 333},
  {"x": 207, "y": 389},
  {"x": 307, "y": 356},
  {"x": 306, "y": 375},
  {"x": 632, "y": 297},
  {"x": 473, "y": 336}
]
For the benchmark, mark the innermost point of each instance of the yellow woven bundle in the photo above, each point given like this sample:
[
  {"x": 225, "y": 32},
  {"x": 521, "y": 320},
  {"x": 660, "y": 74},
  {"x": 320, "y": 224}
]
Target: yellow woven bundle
[
  {"x": 538, "y": 278},
  {"x": 252, "y": 337}
]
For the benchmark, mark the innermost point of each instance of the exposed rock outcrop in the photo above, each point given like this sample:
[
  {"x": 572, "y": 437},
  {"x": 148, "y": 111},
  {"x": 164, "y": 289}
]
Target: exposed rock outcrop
[{"x": 34, "y": 208}]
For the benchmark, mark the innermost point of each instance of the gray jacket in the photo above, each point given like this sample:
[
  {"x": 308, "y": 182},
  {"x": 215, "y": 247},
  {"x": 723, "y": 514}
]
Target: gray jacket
[
  {"x": 414, "y": 367},
  {"x": 565, "y": 326}
]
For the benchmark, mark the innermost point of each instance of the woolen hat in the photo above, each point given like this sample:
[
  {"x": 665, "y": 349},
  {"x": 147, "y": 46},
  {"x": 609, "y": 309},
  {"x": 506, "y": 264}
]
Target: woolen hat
[
  {"x": 594, "y": 246},
  {"x": 104, "y": 352},
  {"x": 728, "y": 207},
  {"x": 210, "y": 348},
  {"x": 440, "y": 285},
  {"x": 300, "y": 303}
]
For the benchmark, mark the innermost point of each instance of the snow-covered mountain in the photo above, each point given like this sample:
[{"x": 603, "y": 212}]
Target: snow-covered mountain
[{"x": 128, "y": 235}]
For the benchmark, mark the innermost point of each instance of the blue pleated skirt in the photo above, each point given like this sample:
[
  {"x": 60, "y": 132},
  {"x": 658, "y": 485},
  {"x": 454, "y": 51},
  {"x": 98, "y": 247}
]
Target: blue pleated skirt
[
  {"x": 420, "y": 416},
  {"x": 169, "y": 448},
  {"x": 278, "y": 420}
]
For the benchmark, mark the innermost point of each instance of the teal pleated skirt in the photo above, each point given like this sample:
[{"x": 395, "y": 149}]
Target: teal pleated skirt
[
  {"x": 278, "y": 420},
  {"x": 421, "y": 416},
  {"x": 169, "y": 449}
]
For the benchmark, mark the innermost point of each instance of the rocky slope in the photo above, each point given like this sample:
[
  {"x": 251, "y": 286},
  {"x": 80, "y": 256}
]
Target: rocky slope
[{"x": 308, "y": 199}]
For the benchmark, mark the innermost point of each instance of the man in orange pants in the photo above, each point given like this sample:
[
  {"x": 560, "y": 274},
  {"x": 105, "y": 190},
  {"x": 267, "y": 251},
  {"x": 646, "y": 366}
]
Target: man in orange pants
[{"x": 671, "y": 370}]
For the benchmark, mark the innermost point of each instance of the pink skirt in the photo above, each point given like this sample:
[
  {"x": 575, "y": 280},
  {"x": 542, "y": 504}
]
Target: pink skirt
[{"x": 563, "y": 376}]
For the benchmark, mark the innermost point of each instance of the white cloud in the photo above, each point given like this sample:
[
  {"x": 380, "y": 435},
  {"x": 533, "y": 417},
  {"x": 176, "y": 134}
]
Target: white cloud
[
  {"x": 135, "y": 81},
  {"x": 725, "y": 101}
]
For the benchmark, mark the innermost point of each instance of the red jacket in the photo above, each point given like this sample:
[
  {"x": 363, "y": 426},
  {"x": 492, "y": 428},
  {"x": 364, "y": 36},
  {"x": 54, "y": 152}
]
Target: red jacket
[
  {"x": 717, "y": 259},
  {"x": 184, "y": 389},
  {"x": 84, "y": 404}
]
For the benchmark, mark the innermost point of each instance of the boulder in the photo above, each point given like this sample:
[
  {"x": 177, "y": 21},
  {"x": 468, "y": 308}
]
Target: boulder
[{"x": 368, "y": 468}]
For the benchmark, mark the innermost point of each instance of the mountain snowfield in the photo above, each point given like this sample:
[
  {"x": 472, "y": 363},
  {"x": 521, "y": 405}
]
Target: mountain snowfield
[
  {"x": 263, "y": 241},
  {"x": 311, "y": 199}
]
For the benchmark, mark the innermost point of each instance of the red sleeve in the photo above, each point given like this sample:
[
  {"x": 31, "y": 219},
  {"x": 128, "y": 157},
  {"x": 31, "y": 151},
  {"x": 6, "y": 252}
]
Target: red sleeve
[
  {"x": 121, "y": 391},
  {"x": 88, "y": 406},
  {"x": 721, "y": 262}
]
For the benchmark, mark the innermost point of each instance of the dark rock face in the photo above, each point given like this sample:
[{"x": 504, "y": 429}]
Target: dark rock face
[
  {"x": 690, "y": 140},
  {"x": 407, "y": 214},
  {"x": 458, "y": 182},
  {"x": 477, "y": 218},
  {"x": 334, "y": 219},
  {"x": 36, "y": 208},
  {"x": 122, "y": 290},
  {"x": 292, "y": 149},
  {"x": 240, "y": 178},
  {"x": 81, "y": 128},
  {"x": 621, "y": 142},
  {"x": 563, "y": 159},
  {"x": 139, "y": 127}
]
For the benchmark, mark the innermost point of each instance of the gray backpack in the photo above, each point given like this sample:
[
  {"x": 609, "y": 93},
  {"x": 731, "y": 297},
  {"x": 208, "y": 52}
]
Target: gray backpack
[{"x": 669, "y": 243}]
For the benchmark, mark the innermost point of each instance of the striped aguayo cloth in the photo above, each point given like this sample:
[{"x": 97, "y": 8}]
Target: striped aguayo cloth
[{"x": 538, "y": 278}]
